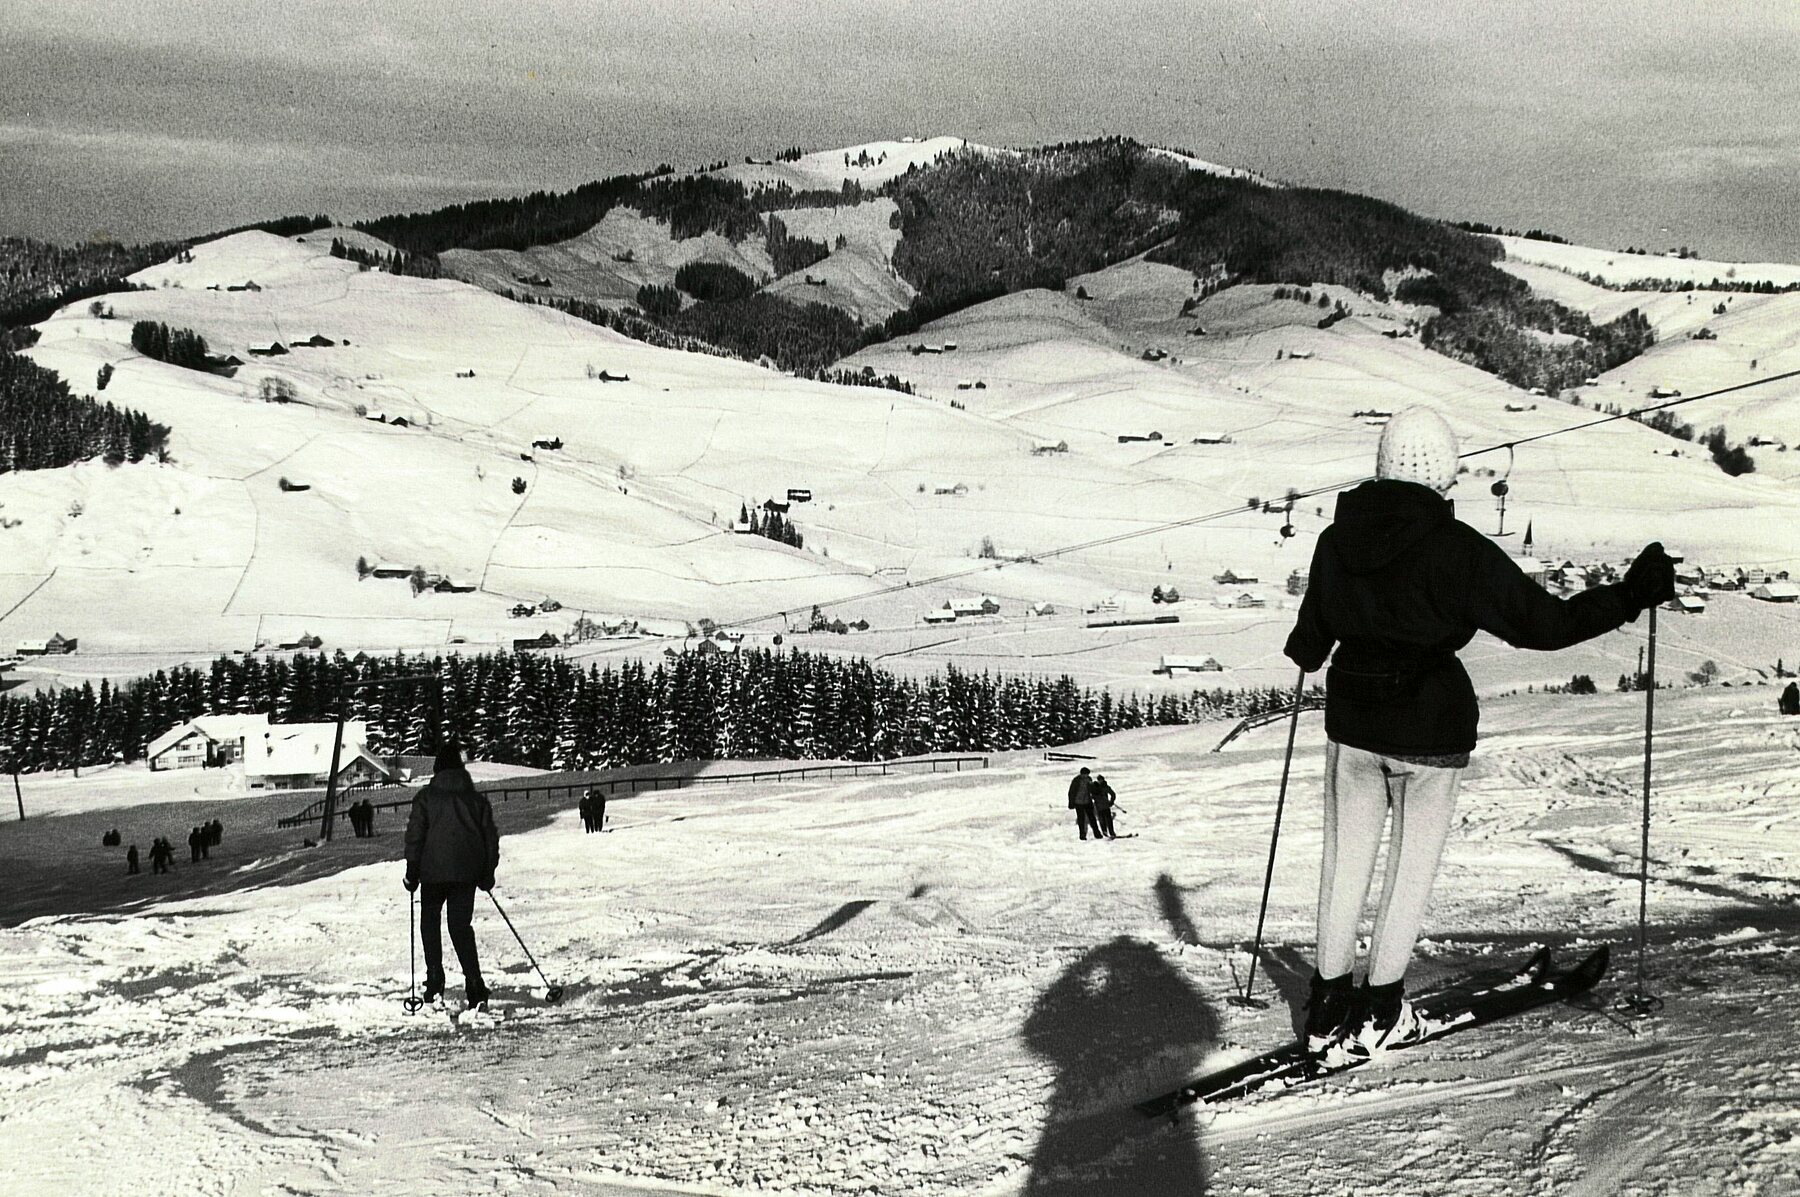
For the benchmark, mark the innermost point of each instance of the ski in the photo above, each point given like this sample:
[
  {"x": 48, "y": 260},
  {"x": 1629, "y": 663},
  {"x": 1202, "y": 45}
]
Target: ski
[{"x": 1533, "y": 984}]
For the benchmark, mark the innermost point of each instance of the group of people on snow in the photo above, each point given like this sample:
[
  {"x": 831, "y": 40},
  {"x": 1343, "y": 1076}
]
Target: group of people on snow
[
  {"x": 1093, "y": 800},
  {"x": 201, "y": 840},
  {"x": 362, "y": 818},
  {"x": 593, "y": 810}
]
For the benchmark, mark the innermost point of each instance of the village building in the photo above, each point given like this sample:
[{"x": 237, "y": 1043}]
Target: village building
[
  {"x": 1777, "y": 592},
  {"x": 1688, "y": 604},
  {"x": 1171, "y": 665},
  {"x": 941, "y": 615},
  {"x": 981, "y": 606},
  {"x": 297, "y": 756},
  {"x": 532, "y": 643},
  {"x": 1297, "y": 582},
  {"x": 208, "y": 741},
  {"x": 56, "y": 645},
  {"x": 1250, "y": 598},
  {"x": 1230, "y": 579}
]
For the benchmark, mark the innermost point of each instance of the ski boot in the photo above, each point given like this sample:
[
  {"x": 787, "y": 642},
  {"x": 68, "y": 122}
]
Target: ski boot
[
  {"x": 1386, "y": 1020},
  {"x": 1329, "y": 1007}
]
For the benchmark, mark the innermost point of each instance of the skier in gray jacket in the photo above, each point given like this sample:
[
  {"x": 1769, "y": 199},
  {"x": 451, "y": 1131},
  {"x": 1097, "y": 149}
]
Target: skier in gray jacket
[{"x": 452, "y": 846}]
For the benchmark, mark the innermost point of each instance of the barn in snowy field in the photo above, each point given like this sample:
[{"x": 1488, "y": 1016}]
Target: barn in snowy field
[
  {"x": 530, "y": 644},
  {"x": 1171, "y": 665},
  {"x": 1777, "y": 592},
  {"x": 1688, "y": 604},
  {"x": 981, "y": 606},
  {"x": 56, "y": 645},
  {"x": 209, "y": 740},
  {"x": 941, "y": 615}
]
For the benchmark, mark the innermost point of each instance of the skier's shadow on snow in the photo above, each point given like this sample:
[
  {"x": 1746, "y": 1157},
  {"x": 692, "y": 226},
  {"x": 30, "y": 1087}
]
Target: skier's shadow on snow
[{"x": 1121, "y": 1024}]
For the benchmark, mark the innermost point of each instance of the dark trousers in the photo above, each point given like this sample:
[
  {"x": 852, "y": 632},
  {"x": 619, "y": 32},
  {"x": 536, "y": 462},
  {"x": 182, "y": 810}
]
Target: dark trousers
[
  {"x": 599, "y": 814},
  {"x": 1103, "y": 815},
  {"x": 1084, "y": 819},
  {"x": 458, "y": 899}
]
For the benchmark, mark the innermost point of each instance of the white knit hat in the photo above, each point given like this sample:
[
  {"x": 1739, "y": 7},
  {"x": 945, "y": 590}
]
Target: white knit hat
[{"x": 1417, "y": 446}]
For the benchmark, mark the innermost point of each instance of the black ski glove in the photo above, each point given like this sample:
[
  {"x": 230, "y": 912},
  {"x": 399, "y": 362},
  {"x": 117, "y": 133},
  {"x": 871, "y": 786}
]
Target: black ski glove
[
  {"x": 487, "y": 884},
  {"x": 411, "y": 883},
  {"x": 1651, "y": 579}
]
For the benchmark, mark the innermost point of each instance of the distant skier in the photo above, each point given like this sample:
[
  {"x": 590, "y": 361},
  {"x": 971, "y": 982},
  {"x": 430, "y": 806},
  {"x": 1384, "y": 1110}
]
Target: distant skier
[
  {"x": 1398, "y": 584},
  {"x": 1081, "y": 801},
  {"x": 162, "y": 854},
  {"x": 452, "y": 846},
  {"x": 1790, "y": 699},
  {"x": 194, "y": 842},
  {"x": 1104, "y": 797},
  {"x": 215, "y": 834},
  {"x": 131, "y": 861},
  {"x": 587, "y": 812},
  {"x": 597, "y": 796}
]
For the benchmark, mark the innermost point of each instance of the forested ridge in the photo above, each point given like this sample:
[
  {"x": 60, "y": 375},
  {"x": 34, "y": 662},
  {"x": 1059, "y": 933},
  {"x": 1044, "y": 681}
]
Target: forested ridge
[
  {"x": 551, "y": 713},
  {"x": 978, "y": 225}
]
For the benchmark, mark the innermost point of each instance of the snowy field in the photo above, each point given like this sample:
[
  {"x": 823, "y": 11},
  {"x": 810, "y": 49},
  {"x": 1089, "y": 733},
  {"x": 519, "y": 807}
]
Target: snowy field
[{"x": 928, "y": 985}]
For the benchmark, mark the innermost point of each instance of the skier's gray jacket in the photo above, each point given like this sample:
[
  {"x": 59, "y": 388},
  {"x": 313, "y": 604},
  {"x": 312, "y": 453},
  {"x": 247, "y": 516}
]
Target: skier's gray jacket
[{"x": 451, "y": 835}]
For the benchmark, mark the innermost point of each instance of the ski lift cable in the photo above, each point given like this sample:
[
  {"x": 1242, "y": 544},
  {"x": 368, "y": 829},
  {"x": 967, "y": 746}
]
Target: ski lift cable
[{"x": 1287, "y": 500}]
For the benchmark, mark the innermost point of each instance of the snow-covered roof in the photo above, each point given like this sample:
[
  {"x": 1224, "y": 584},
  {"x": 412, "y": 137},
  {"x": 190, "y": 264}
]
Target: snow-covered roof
[
  {"x": 214, "y": 727},
  {"x": 290, "y": 748},
  {"x": 1777, "y": 590}
]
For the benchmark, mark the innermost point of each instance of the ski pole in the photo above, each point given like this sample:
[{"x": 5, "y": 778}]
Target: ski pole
[
  {"x": 1640, "y": 1002},
  {"x": 412, "y": 1001},
  {"x": 552, "y": 993},
  {"x": 1244, "y": 999}
]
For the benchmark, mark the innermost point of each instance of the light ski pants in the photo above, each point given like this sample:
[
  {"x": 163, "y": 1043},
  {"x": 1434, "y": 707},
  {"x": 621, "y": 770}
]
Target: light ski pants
[{"x": 1360, "y": 788}]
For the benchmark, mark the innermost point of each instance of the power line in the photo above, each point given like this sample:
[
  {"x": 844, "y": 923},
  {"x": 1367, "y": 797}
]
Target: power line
[{"x": 1288, "y": 499}]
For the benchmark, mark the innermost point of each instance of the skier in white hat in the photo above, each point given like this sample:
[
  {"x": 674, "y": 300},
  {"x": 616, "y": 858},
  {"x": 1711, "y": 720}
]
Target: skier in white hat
[{"x": 1398, "y": 585}]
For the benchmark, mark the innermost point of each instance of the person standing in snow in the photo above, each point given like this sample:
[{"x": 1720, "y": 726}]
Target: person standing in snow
[
  {"x": 452, "y": 847},
  {"x": 1081, "y": 801},
  {"x": 597, "y": 796},
  {"x": 162, "y": 854},
  {"x": 587, "y": 812},
  {"x": 1103, "y": 807},
  {"x": 1398, "y": 585},
  {"x": 131, "y": 860}
]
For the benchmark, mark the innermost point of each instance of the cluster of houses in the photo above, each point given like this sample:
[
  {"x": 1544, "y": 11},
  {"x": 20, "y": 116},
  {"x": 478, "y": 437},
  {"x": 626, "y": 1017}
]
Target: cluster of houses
[
  {"x": 438, "y": 582},
  {"x": 1696, "y": 583},
  {"x": 275, "y": 756}
]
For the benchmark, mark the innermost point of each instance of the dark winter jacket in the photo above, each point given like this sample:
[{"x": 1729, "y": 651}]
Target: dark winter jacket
[
  {"x": 1081, "y": 791},
  {"x": 1103, "y": 794},
  {"x": 451, "y": 835},
  {"x": 1399, "y": 585}
]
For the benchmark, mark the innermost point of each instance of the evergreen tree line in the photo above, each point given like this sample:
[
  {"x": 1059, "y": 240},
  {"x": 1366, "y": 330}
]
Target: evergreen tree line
[
  {"x": 1489, "y": 230},
  {"x": 865, "y": 377},
  {"x": 772, "y": 524},
  {"x": 37, "y": 278},
  {"x": 549, "y": 713},
  {"x": 398, "y": 262},
  {"x": 177, "y": 346},
  {"x": 791, "y": 253},
  {"x": 1755, "y": 287},
  {"x": 44, "y": 425}
]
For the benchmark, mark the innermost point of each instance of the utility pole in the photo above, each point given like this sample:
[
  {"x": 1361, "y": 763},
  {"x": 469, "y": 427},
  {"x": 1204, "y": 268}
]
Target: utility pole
[
  {"x": 337, "y": 744},
  {"x": 18, "y": 795}
]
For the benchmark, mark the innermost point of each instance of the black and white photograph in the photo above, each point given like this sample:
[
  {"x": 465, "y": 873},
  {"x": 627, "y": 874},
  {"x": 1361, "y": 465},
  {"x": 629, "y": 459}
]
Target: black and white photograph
[{"x": 1017, "y": 598}]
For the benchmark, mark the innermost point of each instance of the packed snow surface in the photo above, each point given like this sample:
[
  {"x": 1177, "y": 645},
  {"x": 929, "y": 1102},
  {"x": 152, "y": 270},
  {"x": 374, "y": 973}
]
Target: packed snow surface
[{"x": 927, "y": 984}]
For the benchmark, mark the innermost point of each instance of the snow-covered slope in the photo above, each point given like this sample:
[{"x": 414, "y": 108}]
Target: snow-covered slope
[{"x": 928, "y": 985}]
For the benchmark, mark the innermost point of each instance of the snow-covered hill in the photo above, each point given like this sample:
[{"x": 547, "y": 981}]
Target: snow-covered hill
[{"x": 632, "y": 516}]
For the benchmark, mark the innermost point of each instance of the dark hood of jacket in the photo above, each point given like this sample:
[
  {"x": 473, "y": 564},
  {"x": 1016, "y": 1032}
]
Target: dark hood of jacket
[{"x": 1380, "y": 520}]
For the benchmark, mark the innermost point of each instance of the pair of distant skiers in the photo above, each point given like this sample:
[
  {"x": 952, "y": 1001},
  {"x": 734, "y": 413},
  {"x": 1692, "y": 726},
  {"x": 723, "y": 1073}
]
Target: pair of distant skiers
[
  {"x": 452, "y": 849},
  {"x": 362, "y": 818},
  {"x": 1092, "y": 800},
  {"x": 593, "y": 810},
  {"x": 1398, "y": 585}
]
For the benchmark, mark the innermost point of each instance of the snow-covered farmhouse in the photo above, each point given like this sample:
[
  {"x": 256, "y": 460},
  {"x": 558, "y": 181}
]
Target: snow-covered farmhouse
[
  {"x": 981, "y": 606},
  {"x": 1250, "y": 598},
  {"x": 1777, "y": 592},
  {"x": 1171, "y": 665},
  {"x": 1688, "y": 604},
  {"x": 206, "y": 741},
  {"x": 54, "y": 646},
  {"x": 941, "y": 615},
  {"x": 297, "y": 756}
]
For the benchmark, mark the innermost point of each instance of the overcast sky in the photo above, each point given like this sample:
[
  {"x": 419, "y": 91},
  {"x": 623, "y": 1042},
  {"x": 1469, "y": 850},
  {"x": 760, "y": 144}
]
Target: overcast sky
[{"x": 1657, "y": 122}]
